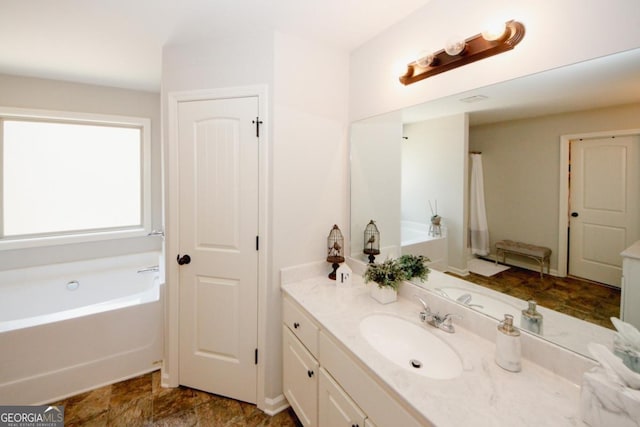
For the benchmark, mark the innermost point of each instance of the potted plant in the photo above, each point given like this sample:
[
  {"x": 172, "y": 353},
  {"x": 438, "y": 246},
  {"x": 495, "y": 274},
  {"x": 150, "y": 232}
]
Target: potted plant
[
  {"x": 414, "y": 266},
  {"x": 388, "y": 277}
]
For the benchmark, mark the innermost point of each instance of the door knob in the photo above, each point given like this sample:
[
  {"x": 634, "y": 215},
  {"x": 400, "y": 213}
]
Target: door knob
[
  {"x": 184, "y": 259},
  {"x": 574, "y": 214}
]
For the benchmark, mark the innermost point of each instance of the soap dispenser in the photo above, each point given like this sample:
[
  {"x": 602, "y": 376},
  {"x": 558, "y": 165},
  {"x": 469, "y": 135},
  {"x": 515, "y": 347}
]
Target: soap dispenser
[
  {"x": 508, "y": 350},
  {"x": 531, "y": 319}
]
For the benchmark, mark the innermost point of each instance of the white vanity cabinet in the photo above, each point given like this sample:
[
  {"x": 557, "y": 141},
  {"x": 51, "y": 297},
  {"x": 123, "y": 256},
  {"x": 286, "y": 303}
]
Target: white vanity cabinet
[
  {"x": 630, "y": 298},
  {"x": 300, "y": 379},
  {"x": 336, "y": 409},
  {"x": 300, "y": 366},
  {"x": 325, "y": 386}
]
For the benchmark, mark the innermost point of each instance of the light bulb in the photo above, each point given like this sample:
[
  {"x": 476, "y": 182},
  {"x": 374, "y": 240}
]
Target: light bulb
[
  {"x": 494, "y": 32},
  {"x": 455, "y": 46},
  {"x": 425, "y": 59}
]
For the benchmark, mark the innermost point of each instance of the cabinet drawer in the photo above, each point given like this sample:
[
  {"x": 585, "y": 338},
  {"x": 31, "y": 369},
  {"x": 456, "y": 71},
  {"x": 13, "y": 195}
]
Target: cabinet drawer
[
  {"x": 300, "y": 379},
  {"x": 301, "y": 325}
]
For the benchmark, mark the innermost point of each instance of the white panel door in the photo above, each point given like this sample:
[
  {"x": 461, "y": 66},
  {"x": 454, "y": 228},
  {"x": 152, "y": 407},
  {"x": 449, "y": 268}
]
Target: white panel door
[
  {"x": 218, "y": 226},
  {"x": 604, "y": 200}
]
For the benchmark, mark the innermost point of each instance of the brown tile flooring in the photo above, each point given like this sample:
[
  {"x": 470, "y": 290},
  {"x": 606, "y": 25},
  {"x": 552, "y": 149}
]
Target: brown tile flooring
[
  {"x": 589, "y": 301},
  {"x": 141, "y": 401}
]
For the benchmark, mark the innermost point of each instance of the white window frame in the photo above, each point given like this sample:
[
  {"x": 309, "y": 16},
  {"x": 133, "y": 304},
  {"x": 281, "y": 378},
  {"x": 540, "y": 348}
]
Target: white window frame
[{"x": 144, "y": 124}]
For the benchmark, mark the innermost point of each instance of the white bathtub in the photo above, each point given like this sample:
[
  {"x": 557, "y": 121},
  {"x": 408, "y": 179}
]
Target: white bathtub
[
  {"x": 56, "y": 341},
  {"x": 415, "y": 239}
]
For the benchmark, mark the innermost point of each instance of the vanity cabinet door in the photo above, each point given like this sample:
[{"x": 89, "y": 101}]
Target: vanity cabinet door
[
  {"x": 336, "y": 407},
  {"x": 300, "y": 379}
]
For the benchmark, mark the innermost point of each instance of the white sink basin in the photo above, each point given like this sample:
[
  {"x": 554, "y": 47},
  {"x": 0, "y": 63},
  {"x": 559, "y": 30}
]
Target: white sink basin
[{"x": 411, "y": 346}]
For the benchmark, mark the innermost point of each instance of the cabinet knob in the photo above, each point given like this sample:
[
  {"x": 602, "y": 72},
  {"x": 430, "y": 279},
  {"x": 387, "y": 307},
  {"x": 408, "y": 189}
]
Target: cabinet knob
[
  {"x": 310, "y": 373},
  {"x": 296, "y": 325}
]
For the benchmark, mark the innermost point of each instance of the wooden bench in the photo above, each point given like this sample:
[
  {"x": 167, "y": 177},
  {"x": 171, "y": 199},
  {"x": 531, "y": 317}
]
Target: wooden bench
[{"x": 538, "y": 253}]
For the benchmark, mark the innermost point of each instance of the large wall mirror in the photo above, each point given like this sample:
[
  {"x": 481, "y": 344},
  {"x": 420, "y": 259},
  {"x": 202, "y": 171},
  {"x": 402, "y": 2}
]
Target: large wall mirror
[{"x": 404, "y": 162}]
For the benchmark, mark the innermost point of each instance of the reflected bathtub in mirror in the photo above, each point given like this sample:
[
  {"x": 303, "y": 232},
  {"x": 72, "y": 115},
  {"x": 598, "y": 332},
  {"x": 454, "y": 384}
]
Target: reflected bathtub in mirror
[{"x": 416, "y": 240}]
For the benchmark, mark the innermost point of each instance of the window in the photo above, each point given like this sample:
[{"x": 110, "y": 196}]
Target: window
[{"x": 72, "y": 177}]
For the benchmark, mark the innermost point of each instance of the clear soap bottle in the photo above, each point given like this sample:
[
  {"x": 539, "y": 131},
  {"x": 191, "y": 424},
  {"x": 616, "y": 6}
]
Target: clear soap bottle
[
  {"x": 508, "y": 349},
  {"x": 531, "y": 319}
]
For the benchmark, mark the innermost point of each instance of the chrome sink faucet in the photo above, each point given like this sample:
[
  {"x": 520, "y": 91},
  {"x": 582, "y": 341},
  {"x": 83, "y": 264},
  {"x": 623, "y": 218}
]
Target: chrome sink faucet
[{"x": 441, "y": 322}]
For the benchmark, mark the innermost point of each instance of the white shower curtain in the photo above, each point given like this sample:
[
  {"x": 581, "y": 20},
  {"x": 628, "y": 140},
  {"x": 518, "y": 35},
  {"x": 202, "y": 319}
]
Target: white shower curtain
[{"x": 478, "y": 227}]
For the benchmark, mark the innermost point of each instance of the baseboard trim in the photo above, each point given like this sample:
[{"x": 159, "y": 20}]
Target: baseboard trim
[{"x": 275, "y": 405}]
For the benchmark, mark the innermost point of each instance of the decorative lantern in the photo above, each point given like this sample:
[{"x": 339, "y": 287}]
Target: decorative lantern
[
  {"x": 371, "y": 241},
  {"x": 335, "y": 247}
]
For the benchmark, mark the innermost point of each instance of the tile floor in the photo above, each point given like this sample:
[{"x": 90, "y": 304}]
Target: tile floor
[
  {"x": 586, "y": 300},
  {"x": 141, "y": 401}
]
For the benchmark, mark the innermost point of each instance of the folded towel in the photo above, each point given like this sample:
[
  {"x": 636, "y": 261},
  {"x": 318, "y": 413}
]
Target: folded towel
[
  {"x": 615, "y": 369},
  {"x": 628, "y": 333}
]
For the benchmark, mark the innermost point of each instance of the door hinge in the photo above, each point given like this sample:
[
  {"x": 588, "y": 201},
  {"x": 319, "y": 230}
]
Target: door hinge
[
  {"x": 257, "y": 122},
  {"x": 256, "y": 356},
  {"x": 257, "y": 243}
]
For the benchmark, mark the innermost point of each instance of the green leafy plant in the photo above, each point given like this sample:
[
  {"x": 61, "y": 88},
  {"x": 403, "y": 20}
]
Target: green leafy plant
[
  {"x": 387, "y": 274},
  {"x": 414, "y": 266}
]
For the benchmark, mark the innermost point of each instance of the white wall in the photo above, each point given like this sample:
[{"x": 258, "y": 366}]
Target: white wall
[
  {"x": 310, "y": 164},
  {"x": 27, "y": 92},
  {"x": 308, "y": 125},
  {"x": 557, "y": 33},
  {"x": 434, "y": 165},
  {"x": 376, "y": 183},
  {"x": 521, "y": 164}
]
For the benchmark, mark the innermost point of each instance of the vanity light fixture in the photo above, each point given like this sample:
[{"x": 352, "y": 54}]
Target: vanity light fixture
[
  {"x": 458, "y": 52},
  {"x": 335, "y": 250},
  {"x": 371, "y": 241}
]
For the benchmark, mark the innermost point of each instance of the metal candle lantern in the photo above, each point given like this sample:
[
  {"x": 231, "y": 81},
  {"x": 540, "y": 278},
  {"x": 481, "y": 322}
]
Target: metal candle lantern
[
  {"x": 335, "y": 247},
  {"x": 371, "y": 241}
]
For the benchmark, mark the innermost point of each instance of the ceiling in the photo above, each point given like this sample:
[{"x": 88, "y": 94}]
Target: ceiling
[{"x": 119, "y": 42}]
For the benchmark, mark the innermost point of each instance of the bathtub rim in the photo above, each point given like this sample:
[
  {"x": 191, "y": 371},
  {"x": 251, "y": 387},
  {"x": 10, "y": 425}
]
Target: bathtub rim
[{"x": 10, "y": 279}]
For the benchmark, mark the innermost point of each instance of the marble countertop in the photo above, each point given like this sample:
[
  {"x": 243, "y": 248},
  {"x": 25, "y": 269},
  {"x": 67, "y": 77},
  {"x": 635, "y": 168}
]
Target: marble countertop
[
  {"x": 484, "y": 395},
  {"x": 632, "y": 251}
]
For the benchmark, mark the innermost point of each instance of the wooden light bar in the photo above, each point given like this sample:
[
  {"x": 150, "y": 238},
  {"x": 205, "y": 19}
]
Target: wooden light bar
[{"x": 476, "y": 48}]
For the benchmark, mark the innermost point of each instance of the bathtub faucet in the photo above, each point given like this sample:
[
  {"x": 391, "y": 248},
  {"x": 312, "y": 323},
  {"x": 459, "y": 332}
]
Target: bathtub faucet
[
  {"x": 466, "y": 300},
  {"x": 156, "y": 233},
  {"x": 147, "y": 269}
]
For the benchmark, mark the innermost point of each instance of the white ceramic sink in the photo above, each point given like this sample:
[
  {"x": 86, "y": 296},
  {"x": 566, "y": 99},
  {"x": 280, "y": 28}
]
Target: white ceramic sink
[{"x": 411, "y": 346}]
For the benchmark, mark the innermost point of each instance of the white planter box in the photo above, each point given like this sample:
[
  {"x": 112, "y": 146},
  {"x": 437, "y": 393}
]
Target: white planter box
[{"x": 383, "y": 295}]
